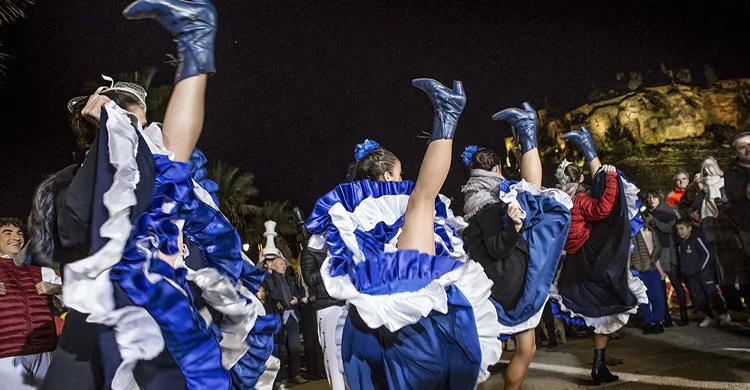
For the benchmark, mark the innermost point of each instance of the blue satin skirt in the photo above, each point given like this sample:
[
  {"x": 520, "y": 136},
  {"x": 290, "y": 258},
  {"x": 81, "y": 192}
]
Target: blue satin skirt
[{"x": 441, "y": 351}]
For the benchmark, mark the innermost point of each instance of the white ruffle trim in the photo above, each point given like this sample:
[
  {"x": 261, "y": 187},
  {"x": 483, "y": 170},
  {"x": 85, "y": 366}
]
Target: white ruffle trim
[
  {"x": 531, "y": 323},
  {"x": 88, "y": 288},
  {"x": 397, "y": 310},
  {"x": 612, "y": 323},
  {"x": 631, "y": 197},
  {"x": 511, "y": 197}
]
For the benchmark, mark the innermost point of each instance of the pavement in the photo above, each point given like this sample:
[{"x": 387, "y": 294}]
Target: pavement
[{"x": 680, "y": 358}]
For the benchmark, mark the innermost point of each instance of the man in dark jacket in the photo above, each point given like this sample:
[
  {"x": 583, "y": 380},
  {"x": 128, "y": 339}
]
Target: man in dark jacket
[
  {"x": 282, "y": 289},
  {"x": 328, "y": 310},
  {"x": 737, "y": 212}
]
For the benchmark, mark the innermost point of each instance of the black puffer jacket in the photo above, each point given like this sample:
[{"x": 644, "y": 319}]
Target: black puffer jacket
[
  {"x": 311, "y": 260},
  {"x": 493, "y": 241}
]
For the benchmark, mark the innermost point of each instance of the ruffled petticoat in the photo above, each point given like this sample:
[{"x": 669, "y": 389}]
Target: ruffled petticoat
[
  {"x": 415, "y": 320},
  {"x": 629, "y": 223},
  {"x": 233, "y": 353},
  {"x": 546, "y": 215}
]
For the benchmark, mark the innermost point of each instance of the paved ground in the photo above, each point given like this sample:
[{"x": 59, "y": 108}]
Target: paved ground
[{"x": 680, "y": 358}]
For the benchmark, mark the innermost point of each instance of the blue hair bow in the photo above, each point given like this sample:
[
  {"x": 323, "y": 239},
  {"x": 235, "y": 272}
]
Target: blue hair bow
[
  {"x": 469, "y": 153},
  {"x": 361, "y": 150}
]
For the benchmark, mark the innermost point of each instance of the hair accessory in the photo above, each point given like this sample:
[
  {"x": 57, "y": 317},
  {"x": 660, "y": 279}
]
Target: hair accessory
[
  {"x": 361, "y": 150},
  {"x": 133, "y": 89},
  {"x": 560, "y": 175},
  {"x": 468, "y": 154}
]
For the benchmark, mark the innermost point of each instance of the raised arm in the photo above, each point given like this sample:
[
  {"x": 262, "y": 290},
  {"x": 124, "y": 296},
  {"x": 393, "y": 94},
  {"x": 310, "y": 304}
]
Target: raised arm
[{"x": 594, "y": 209}]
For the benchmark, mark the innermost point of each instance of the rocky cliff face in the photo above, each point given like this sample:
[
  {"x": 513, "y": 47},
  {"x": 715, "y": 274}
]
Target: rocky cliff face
[
  {"x": 659, "y": 114},
  {"x": 652, "y": 131}
]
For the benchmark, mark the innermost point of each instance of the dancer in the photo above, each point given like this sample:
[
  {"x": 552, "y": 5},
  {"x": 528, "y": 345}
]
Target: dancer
[
  {"x": 419, "y": 314},
  {"x": 595, "y": 285},
  {"x": 141, "y": 315},
  {"x": 516, "y": 232}
]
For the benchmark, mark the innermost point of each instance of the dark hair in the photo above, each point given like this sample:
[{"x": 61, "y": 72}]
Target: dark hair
[
  {"x": 573, "y": 173},
  {"x": 485, "y": 159},
  {"x": 685, "y": 221},
  {"x": 83, "y": 130},
  {"x": 10, "y": 221},
  {"x": 351, "y": 171},
  {"x": 682, "y": 171},
  {"x": 375, "y": 164},
  {"x": 656, "y": 194}
]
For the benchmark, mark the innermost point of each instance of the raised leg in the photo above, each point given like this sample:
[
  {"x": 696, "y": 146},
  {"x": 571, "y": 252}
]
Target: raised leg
[{"x": 418, "y": 231}]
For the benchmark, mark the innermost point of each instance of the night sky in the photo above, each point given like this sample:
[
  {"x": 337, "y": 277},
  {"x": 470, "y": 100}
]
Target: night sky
[{"x": 299, "y": 83}]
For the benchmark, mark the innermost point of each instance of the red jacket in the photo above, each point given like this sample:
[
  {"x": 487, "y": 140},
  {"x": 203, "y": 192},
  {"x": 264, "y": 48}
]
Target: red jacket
[
  {"x": 26, "y": 323},
  {"x": 586, "y": 209}
]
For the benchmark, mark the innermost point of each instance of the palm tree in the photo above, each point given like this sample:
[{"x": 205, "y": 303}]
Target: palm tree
[
  {"x": 10, "y": 10},
  {"x": 279, "y": 212},
  {"x": 236, "y": 189}
]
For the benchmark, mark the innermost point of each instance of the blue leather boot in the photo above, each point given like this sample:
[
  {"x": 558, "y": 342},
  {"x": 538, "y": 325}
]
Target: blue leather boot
[
  {"x": 524, "y": 121},
  {"x": 192, "y": 24},
  {"x": 584, "y": 141},
  {"x": 448, "y": 104}
]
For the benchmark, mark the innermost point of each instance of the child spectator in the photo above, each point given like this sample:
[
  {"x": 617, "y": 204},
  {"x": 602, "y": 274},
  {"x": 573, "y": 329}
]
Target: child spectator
[{"x": 698, "y": 268}]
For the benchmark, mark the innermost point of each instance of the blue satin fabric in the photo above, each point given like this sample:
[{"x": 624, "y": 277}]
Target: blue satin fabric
[
  {"x": 557, "y": 312},
  {"x": 194, "y": 347},
  {"x": 545, "y": 230},
  {"x": 199, "y": 173},
  {"x": 441, "y": 351},
  {"x": 380, "y": 273}
]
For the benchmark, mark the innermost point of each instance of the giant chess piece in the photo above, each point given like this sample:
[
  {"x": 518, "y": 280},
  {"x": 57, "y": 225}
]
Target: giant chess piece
[{"x": 270, "y": 251}]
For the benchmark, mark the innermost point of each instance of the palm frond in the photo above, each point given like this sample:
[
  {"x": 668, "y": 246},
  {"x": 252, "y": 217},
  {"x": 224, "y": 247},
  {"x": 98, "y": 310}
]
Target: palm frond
[
  {"x": 11, "y": 10},
  {"x": 236, "y": 190}
]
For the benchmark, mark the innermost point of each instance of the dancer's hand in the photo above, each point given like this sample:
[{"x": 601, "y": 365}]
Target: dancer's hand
[
  {"x": 514, "y": 213},
  {"x": 293, "y": 301},
  {"x": 2, "y": 288},
  {"x": 93, "y": 109},
  {"x": 305, "y": 300},
  {"x": 609, "y": 168}
]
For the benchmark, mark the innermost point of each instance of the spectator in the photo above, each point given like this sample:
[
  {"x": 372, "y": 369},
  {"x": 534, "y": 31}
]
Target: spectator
[
  {"x": 328, "y": 310},
  {"x": 282, "y": 288},
  {"x": 697, "y": 268},
  {"x": 313, "y": 353},
  {"x": 735, "y": 243},
  {"x": 681, "y": 179},
  {"x": 27, "y": 325},
  {"x": 644, "y": 258},
  {"x": 662, "y": 223}
]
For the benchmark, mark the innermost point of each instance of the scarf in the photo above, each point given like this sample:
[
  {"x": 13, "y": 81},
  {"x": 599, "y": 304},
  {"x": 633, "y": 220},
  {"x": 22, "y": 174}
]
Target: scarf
[
  {"x": 482, "y": 189},
  {"x": 712, "y": 186},
  {"x": 675, "y": 196}
]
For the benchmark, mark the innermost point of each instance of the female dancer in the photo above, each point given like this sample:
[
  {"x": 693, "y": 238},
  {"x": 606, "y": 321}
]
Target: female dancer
[
  {"x": 516, "y": 232},
  {"x": 595, "y": 284},
  {"x": 419, "y": 313},
  {"x": 143, "y": 316}
]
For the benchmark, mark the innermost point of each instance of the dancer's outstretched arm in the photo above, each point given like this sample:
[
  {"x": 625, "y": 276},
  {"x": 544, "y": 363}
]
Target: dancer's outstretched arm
[
  {"x": 525, "y": 122},
  {"x": 585, "y": 143},
  {"x": 418, "y": 231},
  {"x": 193, "y": 25}
]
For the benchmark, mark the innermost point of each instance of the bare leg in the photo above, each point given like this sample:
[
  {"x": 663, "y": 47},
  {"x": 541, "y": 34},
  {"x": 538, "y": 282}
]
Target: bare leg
[
  {"x": 519, "y": 364},
  {"x": 600, "y": 341},
  {"x": 594, "y": 165},
  {"x": 531, "y": 167},
  {"x": 183, "y": 120},
  {"x": 418, "y": 231}
]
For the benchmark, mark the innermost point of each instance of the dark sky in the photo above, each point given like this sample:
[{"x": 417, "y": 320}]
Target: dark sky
[{"x": 299, "y": 83}]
